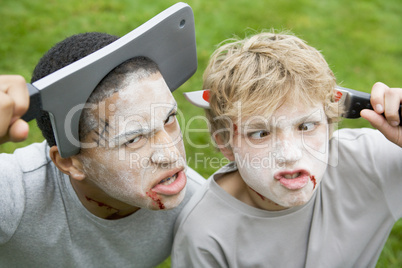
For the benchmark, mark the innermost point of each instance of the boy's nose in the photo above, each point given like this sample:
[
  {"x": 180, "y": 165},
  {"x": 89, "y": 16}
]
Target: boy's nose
[
  {"x": 164, "y": 149},
  {"x": 288, "y": 151}
]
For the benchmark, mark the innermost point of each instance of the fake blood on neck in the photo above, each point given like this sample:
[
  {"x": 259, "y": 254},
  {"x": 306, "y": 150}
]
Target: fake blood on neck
[
  {"x": 101, "y": 204},
  {"x": 263, "y": 198},
  {"x": 154, "y": 197},
  {"x": 260, "y": 195}
]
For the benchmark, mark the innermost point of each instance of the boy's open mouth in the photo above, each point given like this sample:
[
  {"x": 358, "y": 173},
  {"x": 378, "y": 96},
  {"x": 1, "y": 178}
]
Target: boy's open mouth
[
  {"x": 293, "y": 180},
  {"x": 171, "y": 185},
  {"x": 292, "y": 176},
  {"x": 169, "y": 180}
]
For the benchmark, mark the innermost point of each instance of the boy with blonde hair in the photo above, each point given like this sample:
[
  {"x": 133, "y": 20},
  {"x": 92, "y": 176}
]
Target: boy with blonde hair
[{"x": 296, "y": 193}]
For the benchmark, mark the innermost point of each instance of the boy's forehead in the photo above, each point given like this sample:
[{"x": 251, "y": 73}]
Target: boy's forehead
[
  {"x": 138, "y": 102},
  {"x": 140, "y": 95},
  {"x": 285, "y": 114},
  {"x": 146, "y": 110},
  {"x": 141, "y": 87}
]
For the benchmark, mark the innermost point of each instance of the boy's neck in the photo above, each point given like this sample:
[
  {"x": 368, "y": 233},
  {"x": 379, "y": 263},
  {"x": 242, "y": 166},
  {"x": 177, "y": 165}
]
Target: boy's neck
[
  {"x": 99, "y": 203},
  {"x": 234, "y": 185}
]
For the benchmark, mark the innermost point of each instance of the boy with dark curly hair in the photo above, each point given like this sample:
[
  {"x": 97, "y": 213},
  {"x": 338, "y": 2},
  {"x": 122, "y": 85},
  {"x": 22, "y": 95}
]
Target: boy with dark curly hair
[{"x": 110, "y": 205}]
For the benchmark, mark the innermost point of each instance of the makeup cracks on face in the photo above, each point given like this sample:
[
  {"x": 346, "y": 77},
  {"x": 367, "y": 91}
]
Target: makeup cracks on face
[{"x": 102, "y": 136}]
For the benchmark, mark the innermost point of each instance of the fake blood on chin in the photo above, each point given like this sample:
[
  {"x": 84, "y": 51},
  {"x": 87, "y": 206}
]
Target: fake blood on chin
[
  {"x": 155, "y": 197},
  {"x": 313, "y": 180},
  {"x": 171, "y": 189}
]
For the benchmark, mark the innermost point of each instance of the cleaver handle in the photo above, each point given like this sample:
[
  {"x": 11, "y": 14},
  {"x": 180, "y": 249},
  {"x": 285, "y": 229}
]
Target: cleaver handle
[{"x": 35, "y": 104}]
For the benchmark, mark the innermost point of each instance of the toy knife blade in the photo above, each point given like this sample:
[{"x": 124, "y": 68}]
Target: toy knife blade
[
  {"x": 199, "y": 98},
  {"x": 168, "y": 39}
]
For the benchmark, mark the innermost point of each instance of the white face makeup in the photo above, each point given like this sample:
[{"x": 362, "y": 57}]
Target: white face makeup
[
  {"x": 140, "y": 159},
  {"x": 283, "y": 159}
]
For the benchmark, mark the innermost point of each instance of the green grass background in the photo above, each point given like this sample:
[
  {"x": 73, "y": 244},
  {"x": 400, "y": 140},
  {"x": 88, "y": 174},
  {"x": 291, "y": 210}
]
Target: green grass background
[{"x": 360, "y": 39}]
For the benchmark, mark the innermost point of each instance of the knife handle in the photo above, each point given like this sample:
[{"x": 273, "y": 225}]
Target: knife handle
[
  {"x": 35, "y": 104},
  {"x": 359, "y": 101}
]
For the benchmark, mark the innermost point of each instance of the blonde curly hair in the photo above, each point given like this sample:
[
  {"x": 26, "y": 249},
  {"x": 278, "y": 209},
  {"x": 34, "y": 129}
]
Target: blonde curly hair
[{"x": 256, "y": 74}]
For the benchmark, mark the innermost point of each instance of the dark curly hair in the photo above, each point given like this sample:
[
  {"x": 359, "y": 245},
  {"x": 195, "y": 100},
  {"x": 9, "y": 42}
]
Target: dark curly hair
[
  {"x": 74, "y": 48},
  {"x": 62, "y": 54}
]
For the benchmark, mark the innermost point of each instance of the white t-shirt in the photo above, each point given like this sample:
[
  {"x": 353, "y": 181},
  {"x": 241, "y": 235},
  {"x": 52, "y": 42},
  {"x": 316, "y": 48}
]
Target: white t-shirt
[
  {"x": 43, "y": 223},
  {"x": 345, "y": 224}
]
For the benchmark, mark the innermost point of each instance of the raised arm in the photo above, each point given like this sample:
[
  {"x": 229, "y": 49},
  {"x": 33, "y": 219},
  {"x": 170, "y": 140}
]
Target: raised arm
[
  {"x": 385, "y": 100},
  {"x": 14, "y": 102}
]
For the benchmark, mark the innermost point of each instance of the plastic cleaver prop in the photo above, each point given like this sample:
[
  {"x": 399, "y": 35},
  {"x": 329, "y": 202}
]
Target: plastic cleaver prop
[{"x": 168, "y": 39}]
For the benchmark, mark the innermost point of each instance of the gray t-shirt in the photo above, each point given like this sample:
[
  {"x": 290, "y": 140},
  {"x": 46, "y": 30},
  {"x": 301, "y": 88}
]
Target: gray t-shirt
[
  {"x": 345, "y": 224},
  {"x": 43, "y": 223}
]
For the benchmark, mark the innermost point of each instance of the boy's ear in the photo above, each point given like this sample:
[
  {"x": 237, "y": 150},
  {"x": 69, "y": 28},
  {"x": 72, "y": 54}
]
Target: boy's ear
[
  {"x": 224, "y": 148},
  {"x": 70, "y": 166}
]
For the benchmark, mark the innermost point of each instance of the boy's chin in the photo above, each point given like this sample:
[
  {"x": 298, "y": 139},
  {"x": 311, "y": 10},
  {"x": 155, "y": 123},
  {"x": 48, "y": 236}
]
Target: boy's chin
[
  {"x": 297, "y": 198},
  {"x": 295, "y": 203},
  {"x": 168, "y": 202}
]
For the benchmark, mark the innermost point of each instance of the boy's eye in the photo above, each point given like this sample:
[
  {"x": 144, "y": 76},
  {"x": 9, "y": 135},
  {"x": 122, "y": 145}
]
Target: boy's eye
[
  {"x": 258, "y": 134},
  {"x": 309, "y": 126},
  {"x": 170, "y": 119},
  {"x": 134, "y": 140}
]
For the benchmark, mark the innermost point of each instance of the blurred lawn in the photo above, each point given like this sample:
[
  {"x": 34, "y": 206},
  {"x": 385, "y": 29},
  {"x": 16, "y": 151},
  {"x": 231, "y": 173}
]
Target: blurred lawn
[{"x": 361, "y": 40}]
